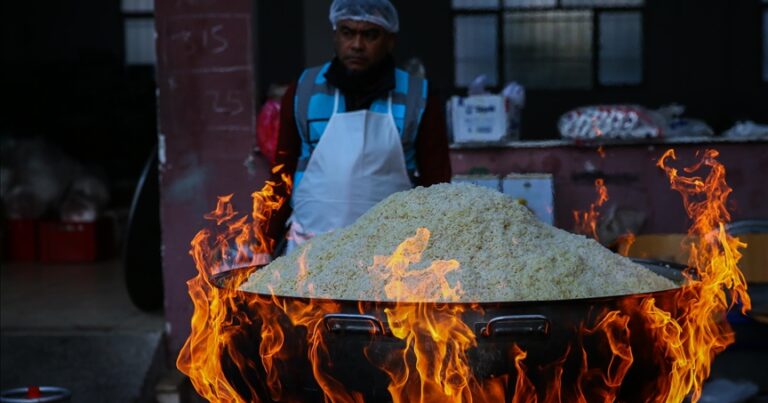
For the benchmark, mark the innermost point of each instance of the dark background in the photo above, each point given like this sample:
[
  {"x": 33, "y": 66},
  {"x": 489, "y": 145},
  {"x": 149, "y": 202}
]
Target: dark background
[
  {"x": 64, "y": 79},
  {"x": 64, "y": 76},
  {"x": 704, "y": 54}
]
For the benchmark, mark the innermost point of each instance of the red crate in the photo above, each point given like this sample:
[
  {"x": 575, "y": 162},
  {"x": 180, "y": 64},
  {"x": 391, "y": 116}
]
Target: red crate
[
  {"x": 21, "y": 240},
  {"x": 68, "y": 242}
]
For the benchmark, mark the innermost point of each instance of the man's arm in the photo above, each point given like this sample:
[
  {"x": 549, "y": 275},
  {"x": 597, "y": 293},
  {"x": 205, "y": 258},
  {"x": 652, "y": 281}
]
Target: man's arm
[
  {"x": 432, "y": 157},
  {"x": 287, "y": 155}
]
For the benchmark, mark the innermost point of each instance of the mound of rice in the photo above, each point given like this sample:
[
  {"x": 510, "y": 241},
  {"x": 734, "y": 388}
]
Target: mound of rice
[{"x": 504, "y": 252}]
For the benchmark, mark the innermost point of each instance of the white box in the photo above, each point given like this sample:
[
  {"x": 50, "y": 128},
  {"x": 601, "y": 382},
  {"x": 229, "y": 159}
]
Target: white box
[
  {"x": 478, "y": 118},
  {"x": 489, "y": 181},
  {"x": 535, "y": 190}
]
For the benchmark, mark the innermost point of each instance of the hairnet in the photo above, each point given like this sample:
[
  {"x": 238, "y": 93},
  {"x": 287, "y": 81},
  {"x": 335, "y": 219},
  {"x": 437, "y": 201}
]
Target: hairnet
[{"x": 379, "y": 12}]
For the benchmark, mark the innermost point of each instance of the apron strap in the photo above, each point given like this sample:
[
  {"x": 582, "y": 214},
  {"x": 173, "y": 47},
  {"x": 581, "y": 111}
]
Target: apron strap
[{"x": 336, "y": 102}]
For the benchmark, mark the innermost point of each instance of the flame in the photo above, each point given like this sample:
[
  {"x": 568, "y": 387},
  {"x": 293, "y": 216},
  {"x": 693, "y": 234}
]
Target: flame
[
  {"x": 525, "y": 392},
  {"x": 601, "y": 151},
  {"x": 219, "y": 319},
  {"x": 223, "y": 315},
  {"x": 698, "y": 331},
  {"x": 310, "y": 315},
  {"x": 432, "y": 363},
  {"x": 433, "y": 366},
  {"x": 625, "y": 243},
  {"x": 223, "y": 212},
  {"x": 585, "y": 222},
  {"x": 606, "y": 382}
]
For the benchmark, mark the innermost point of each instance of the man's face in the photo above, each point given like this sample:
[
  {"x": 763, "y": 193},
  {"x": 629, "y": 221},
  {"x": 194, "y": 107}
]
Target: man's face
[{"x": 361, "y": 45}]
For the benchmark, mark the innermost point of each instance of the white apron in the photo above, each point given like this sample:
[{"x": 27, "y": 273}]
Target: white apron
[{"x": 357, "y": 163}]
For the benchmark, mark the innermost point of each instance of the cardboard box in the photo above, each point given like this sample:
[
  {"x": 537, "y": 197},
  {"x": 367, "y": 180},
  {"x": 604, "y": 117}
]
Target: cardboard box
[
  {"x": 478, "y": 118},
  {"x": 534, "y": 190},
  {"x": 489, "y": 181}
]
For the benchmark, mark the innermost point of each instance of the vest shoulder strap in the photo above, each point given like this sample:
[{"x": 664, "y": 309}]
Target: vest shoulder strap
[
  {"x": 313, "y": 82},
  {"x": 416, "y": 101},
  {"x": 310, "y": 82}
]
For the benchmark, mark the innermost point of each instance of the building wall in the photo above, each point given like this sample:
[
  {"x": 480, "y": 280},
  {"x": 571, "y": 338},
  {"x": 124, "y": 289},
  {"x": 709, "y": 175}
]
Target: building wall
[
  {"x": 206, "y": 88},
  {"x": 426, "y": 32},
  {"x": 318, "y": 33},
  {"x": 704, "y": 54},
  {"x": 280, "y": 43}
]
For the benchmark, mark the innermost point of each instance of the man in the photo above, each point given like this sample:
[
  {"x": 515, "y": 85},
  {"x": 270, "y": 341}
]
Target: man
[{"x": 356, "y": 129}]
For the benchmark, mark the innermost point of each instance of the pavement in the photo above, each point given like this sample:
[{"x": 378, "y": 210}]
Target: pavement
[{"x": 74, "y": 326}]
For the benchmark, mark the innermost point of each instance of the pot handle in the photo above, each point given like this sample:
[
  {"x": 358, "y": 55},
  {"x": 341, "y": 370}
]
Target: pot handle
[
  {"x": 515, "y": 325},
  {"x": 352, "y": 323}
]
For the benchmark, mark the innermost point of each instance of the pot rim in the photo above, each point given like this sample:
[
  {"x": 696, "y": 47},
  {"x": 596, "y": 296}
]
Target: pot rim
[{"x": 670, "y": 270}]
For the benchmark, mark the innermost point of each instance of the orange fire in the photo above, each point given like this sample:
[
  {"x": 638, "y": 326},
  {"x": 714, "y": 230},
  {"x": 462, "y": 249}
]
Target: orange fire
[
  {"x": 585, "y": 222},
  {"x": 433, "y": 365},
  {"x": 601, "y": 151},
  {"x": 219, "y": 317},
  {"x": 310, "y": 315},
  {"x": 423, "y": 312},
  {"x": 605, "y": 383},
  {"x": 698, "y": 331},
  {"x": 625, "y": 243}
]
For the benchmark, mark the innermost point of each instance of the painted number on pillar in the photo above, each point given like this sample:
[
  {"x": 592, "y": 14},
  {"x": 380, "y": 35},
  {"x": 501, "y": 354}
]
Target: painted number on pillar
[
  {"x": 210, "y": 39},
  {"x": 229, "y": 103},
  {"x": 207, "y": 43}
]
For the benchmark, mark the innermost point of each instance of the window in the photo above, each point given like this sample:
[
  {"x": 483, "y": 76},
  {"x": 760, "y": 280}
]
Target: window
[
  {"x": 549, "y": 44},
  {"x": 139, "y": 32},
  {"x": 472, "y": 60},
  {"x": 621, "y": 45},
  {"x": 548, "y": 49}
]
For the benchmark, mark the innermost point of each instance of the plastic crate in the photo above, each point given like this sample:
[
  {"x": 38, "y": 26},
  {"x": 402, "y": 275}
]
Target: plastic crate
[
  {"x": 21, "y": 240},
  {"x": 69, "y": 242}
]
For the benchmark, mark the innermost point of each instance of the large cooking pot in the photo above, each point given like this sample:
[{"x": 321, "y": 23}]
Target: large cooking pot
[{"x": 357, "y": 335}]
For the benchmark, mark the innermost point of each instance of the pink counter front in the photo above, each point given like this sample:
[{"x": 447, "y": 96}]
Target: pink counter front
[{"x": 630, "y": 174}]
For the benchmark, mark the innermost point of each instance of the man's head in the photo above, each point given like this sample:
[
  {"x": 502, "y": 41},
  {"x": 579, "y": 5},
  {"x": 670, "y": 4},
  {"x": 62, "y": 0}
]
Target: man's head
[{"x": 364, "y": 32}]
